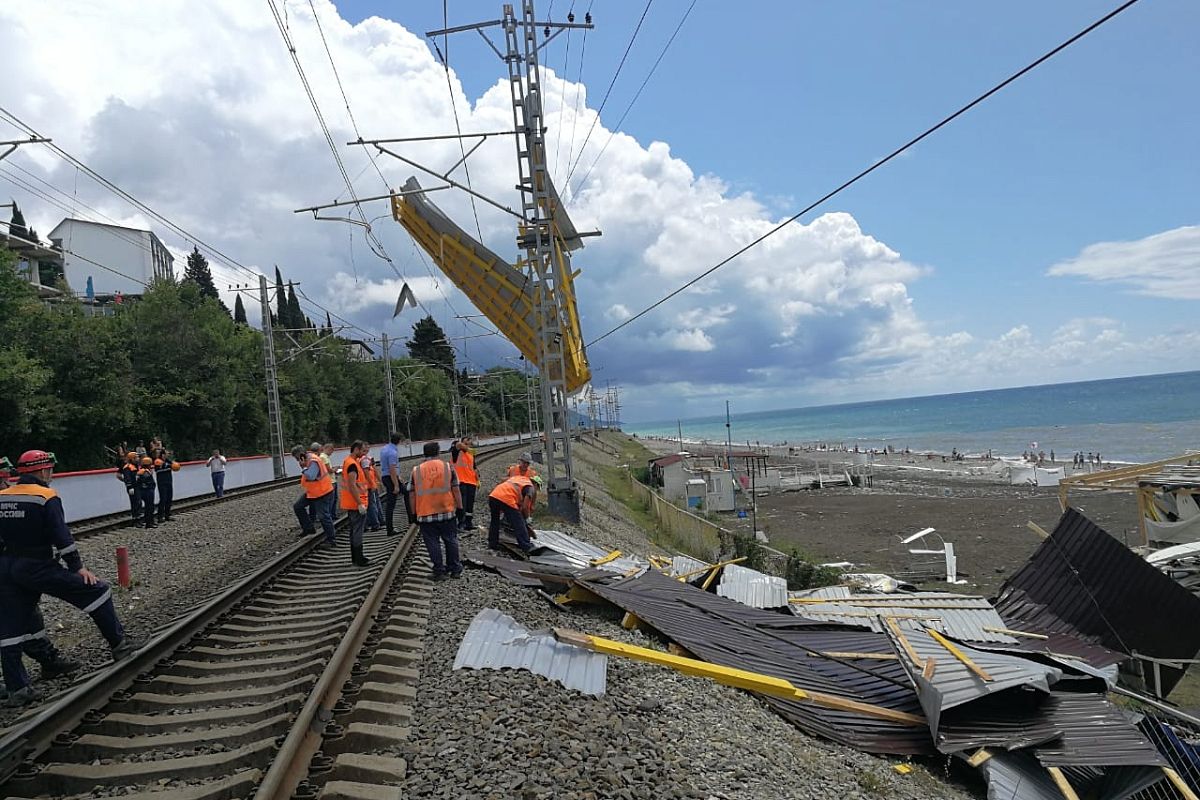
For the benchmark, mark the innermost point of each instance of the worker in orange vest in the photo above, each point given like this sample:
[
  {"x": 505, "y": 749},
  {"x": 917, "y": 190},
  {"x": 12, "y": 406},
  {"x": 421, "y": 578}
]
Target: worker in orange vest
[
  {"x": 317, "y": 501},
  {"x": 468, "y": 481},
  {"x": 436, "y": 497},
  {"x": 513, "y": 499},
  {"x": 352, "y": 491},
  {"x": 374, "y": 511},
  {"x": 522, "y": 468}
]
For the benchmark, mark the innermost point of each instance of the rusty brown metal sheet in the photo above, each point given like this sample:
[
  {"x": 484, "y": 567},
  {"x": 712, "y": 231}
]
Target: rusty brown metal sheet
[
  {"x": 722, "y": 631},
  {"x": 1083, "y": 583}
]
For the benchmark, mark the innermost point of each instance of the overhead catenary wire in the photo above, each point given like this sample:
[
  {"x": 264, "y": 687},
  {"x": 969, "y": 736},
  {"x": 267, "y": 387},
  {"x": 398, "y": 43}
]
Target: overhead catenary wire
[
  {"x": 856, "y": 178},
  {"x": 445, "y": 56},
  {"x": 608, "y": 92},
  {"x": 578, "y": 90},
  {"x": 562, "y": 95},
  {"x": 613, "y": 131}
]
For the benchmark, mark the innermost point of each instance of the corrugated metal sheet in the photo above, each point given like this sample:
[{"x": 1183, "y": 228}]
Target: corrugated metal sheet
[
  {"x": 497, "y": 641},
  {"x": 752, "y": 588},
  {"x": 959, "y": 616},
  {"x": 686, "y": 565},
  {"x": 1018, "y": 776},
  {"x": 507, "y": 567},
  {"x": 1010, "y": 720},
  {"x": 1095, "y": 733},
  {"x": 954, "y": 684},
  {"x": 724, "y": 632},
  {"x": 824, "y": 593},
  {"x": 1082, "y": 582},
  {"x": 559, "y": 549}
]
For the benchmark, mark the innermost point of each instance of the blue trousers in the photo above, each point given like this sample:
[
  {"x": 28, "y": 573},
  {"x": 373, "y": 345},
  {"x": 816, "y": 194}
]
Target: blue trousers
[
  {"x": 311, "y": 512},
  {"x": 23, "y": 581},
  {"x": 218, "y": 479},
  {"x": 436, "y": 535},
  {"x": 374, "y": 510},
  {"x": 515, "y": 521}
]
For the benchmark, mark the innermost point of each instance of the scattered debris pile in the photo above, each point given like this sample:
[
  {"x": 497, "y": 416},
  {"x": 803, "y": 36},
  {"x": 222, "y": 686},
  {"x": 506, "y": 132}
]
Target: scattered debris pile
[{"x": 1021, "y": 689}]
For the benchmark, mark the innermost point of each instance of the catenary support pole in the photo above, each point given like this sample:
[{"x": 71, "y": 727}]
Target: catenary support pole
[
  {"x": 389, "y": 388},
  {"x": 274, "y": 418}
]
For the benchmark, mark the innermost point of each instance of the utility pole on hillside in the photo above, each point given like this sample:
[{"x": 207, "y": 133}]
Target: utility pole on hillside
[
  {"x": 274, "y": 417},
  {"x": 388, "y": 388}
]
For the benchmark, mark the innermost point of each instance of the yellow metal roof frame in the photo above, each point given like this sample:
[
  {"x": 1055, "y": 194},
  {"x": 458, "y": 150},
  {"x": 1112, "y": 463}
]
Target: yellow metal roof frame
[{"x": 498, "y": 289}]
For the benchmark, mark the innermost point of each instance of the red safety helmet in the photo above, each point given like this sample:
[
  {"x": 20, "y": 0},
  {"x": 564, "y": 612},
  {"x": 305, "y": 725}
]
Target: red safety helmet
[{"x": 34, "y": 460}]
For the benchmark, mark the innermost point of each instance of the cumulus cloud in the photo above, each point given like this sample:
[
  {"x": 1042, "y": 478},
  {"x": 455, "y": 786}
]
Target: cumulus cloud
[
  {"x": 197, "y": 110},
  {"x": 1166, "y": 264}
]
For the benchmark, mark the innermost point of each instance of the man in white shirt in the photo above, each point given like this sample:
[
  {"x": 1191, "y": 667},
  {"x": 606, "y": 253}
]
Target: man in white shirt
[{"x": 216, "y": 464}]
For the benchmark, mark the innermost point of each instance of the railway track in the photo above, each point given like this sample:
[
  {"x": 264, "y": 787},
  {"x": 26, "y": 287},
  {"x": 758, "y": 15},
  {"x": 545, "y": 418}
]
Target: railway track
[
  {"x": 94, "y": 526},
  {"x": 294, "y": 682}
]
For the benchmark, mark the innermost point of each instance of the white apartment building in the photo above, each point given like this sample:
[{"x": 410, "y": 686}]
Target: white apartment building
[{"x": 116, "y": 258}]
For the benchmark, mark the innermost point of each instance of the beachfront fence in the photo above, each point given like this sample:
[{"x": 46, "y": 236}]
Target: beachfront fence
[{"x": 687, "y": 532}]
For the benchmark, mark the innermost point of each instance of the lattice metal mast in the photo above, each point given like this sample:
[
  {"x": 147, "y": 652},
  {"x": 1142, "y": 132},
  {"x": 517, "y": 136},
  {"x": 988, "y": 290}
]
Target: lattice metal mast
[{"x": 274, "y": 415}]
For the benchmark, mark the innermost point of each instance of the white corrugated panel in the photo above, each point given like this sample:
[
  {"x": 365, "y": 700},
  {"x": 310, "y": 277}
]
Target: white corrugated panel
[
  {"x": 824, "y": 593},
  {"x": 960, "y": 616},
  {"x": 752, "y": 588},
  {"x": 497, "y": 641},
  {"x": 686, "y": 565},
  {"x": 566, "y": 550}
]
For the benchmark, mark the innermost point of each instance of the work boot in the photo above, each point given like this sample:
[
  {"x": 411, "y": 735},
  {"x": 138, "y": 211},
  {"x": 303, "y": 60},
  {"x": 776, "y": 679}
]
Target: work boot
[
  {"x": 361, "y": 561},
  {"x": 23, "y": 697},
  {"x": 59, "y": 666},
  {"x": 126, "y": 648},
  {"x": 308, "y": 531}
]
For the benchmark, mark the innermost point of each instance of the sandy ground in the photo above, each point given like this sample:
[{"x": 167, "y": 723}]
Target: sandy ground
[{"x": 984, "y": 517}]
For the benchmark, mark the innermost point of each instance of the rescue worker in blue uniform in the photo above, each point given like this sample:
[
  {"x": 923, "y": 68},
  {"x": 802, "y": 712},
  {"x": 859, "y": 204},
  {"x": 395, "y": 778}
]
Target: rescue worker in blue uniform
[
  {"x": 128, "y": 474},
  {"x": 35, "y": 543},
  {"x": 164, "y": 468},
  {"x": 39, "y": 648},
  {"x": 145, "y": 489}
]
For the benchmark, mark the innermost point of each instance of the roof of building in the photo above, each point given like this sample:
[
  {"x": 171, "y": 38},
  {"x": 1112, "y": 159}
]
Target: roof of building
[{"x": 664, "y": 461}]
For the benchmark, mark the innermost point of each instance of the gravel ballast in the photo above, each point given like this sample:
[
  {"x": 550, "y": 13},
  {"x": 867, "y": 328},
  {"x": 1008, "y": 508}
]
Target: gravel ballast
[
  {"x": 174, "y": 567},
  {"x": 655, "y": 734}
]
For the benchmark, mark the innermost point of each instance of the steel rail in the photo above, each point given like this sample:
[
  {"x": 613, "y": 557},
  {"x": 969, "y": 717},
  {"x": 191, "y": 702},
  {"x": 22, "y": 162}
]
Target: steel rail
[
  {"x": 31, "y": 736},
  {"x": 290, "y": 766}
]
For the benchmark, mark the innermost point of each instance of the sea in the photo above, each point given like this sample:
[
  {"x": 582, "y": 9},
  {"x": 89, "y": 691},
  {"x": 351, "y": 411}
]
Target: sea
[{"x": 1134, "y": 419}]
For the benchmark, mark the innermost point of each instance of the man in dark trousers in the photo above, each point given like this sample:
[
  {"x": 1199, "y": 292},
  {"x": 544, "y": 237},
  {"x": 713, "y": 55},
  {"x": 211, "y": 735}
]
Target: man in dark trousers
[
  {"x": 144, "y": 482},
  {"x": 165, "y": 468},
  {"x": 36, "y": 545},
  {"x": 513, "y": 499},
  {"x": 352, "y": 497},
  {"x": 128, "y": 475},
  {"x": 436, "y": 498},
  {"x": 393, "y": 484}
]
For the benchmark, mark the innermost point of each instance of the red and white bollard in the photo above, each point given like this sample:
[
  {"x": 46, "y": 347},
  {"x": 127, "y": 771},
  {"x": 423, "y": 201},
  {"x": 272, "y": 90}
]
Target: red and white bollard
[{"x": 123, "y": 577}]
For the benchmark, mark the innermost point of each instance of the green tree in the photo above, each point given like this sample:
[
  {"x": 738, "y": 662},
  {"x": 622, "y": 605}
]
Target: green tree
[
  {"x": 16, "y": 226},
  {"x": 239, "y": 311},
  {"x": 198, "y": 272},
  {"x": 281, "y": 315},
  {"x": 429, "y": 344},
  {"x": 295, "y": 316}
]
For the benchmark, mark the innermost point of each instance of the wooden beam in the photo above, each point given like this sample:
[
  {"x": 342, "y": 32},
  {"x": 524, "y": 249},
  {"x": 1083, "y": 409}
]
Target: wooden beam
[
  {"x": 1038, "y": 529},
  {"x": 899, "y": 634},
  {"x": 1062, "y": 783},
  {"x": 1012, "y": 632},
  {"x": 929, "y": 669},
  {"x": 1180, "y": 784},
  {"x": 979, "y": 756},
  {"x": 959, "y": 654},
  {"x": 630, "y": 621},
  {"x": 613, "y": 556},
  {"x": 738, "y": 678}
]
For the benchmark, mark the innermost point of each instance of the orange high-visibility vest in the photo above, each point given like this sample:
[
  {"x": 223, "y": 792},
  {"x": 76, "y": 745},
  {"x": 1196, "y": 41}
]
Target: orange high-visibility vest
[
  {"x": 322, "y": 486},
  {"x": 465, "y": 468},
  {"x": 515, "y": 471},
  {"x": 510, "y": 492},
  {"x": 369, "y": 474},
  {"x": 432, "y": 490},
  {"x": 346, "y": 500}
]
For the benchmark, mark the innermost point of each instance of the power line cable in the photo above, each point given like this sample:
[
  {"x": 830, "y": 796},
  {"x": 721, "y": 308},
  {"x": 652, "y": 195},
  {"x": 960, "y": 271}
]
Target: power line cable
[
  {"x": 611, "y": 83},
  {"x": 562, "y": 95},
  {"x": 928, "y": 132},
  {"x": 613, "y": 131},
  {"x": 578, "y": 89},
  {"x": 462, "y": 148}
]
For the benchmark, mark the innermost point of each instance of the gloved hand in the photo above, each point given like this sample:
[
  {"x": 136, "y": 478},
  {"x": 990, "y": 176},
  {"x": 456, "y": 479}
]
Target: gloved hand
[
  {"x": 130, "y": 492},
  {"x": 362, "y": 509}
]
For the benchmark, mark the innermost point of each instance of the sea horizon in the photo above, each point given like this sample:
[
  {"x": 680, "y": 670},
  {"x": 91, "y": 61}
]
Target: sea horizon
[{"x": 1136, "y": 418}]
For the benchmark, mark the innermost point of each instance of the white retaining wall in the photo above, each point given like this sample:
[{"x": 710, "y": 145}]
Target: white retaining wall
[{"x": 98, "y": 492}]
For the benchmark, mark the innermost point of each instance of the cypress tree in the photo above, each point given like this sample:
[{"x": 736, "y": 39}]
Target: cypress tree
[
  {"x": 295, "y": 314},
  {"x": 198, "y": 272},
  {"x": 239, "y": 311},
  {"x": 281, "y": 315},
  {"x": 17, "y": 226}
]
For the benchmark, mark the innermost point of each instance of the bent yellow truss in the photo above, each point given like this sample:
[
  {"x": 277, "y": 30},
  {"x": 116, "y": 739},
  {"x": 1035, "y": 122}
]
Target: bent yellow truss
[{"x": 497, "y": 288}]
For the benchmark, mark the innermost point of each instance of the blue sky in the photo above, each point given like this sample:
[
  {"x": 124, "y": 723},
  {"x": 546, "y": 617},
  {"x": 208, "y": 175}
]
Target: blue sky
[
  {"x": 788, "y": 99},
  {"x": 1052, "y": 234}
]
